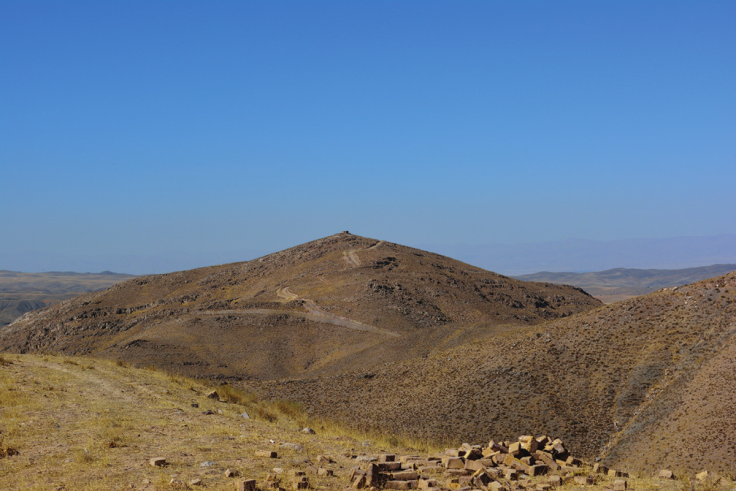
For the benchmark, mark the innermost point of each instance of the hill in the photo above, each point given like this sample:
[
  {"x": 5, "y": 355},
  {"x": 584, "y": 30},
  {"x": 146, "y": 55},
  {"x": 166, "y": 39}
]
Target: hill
[
  {"x": 618, "y": 284},
  {"x": 644, "y": 382},
  {"x": 316, "y": 309},
  {"x": 24, "y": 292}
]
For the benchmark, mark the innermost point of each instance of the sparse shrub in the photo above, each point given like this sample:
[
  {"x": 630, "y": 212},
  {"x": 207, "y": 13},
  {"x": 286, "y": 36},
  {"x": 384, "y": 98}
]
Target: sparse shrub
[
  {"x": 121, "y": 363},
  {"x": 264, "y": 414},
  {"x": 82, "y": 456},
  {"x": 71, "y": 362},
  {"x": 236, "y": 396},
  {"x": 4, "y": 362},
  {"x": 288, "y": 408}
]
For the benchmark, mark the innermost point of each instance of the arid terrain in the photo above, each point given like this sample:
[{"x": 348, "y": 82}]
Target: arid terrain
[
  {"x": 317, "y": 309},
  {"x": 24, "y": 292},
  {"x": 384, "y": 339},
  {"x": 642, "y": 382},
  {"x": 75, "y": 423},
  {"x": 618, "y": 284}
]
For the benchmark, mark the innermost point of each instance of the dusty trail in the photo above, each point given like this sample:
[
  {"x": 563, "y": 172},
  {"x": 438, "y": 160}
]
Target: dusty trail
[
  {"x": 351, "y": 257},
  {"x": 313, "y": 313}
]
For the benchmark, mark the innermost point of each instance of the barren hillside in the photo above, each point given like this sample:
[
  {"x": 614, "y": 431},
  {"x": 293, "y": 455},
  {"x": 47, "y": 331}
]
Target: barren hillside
[
  {"x": 320, "y": 308},
  {"x": 645, "y": 382}
]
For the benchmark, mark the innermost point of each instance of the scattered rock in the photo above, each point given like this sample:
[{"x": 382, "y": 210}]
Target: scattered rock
[
  {"x": 177, "y": 484},
  {"x": 266, "y": 453},
  {"x": 207, "y": 463},
  {"x": 231, "y": 473},
  {"x": 292, "y": 446},
  {"x": 246, "y": 485},
  {"x": 245, "y": 415},
  {"x": 213, "y": 395},
  {"x": 157, "y": 462},
  {"x": 666, "y": 474},
  {"x": 195, "y": 482},
  {"x": 308, "y": 431}
]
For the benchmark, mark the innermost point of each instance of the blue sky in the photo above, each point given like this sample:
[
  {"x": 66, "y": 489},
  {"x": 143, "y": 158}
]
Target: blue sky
[{"x": 144, "y": 128}]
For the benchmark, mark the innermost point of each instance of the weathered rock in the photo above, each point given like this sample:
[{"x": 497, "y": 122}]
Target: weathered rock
[
  {"x": 663, "y": 474},
  {"x": 619, "y": 485},
  {"x": 266, "y": 453},
  {"x": 157, "y": 462},
  {"x": 231, "y": 473},
  {"x": 246, "y": 485}
]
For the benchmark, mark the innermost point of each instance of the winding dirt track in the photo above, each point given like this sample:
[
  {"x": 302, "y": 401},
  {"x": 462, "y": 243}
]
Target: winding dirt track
[
  {"x": 351, "y": 257},
  {"x": 313, "y": 313}
]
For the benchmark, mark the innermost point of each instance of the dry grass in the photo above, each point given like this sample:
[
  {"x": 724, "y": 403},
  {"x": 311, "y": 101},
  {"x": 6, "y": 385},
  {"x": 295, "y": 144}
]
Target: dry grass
[{"x": 96, "y": 429}]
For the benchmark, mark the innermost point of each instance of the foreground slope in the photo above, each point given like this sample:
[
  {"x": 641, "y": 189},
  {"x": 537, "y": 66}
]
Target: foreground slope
[
  {"x": 319, "y": 308},
  {"x": 645, "y": 382},
  {"x": 618, "y": 284},
  {"x": 82, "y": 424}
]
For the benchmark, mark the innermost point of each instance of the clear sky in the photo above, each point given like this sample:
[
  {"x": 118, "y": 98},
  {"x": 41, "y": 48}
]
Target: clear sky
[{"x": 205, "y": 127}]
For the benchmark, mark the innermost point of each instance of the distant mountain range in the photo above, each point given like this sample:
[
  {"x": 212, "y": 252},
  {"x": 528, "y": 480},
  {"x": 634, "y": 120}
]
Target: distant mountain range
[
  {"x": 23, "y": 292},
  {"x": 594, "y": 255},
  {"x": 618, "y": 284}
]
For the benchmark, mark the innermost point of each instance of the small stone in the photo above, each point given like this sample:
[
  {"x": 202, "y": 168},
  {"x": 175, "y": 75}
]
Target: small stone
[
  {"x": 245, "y": 415},
  {"x": 308, "y": 431},
  {"x": 195, "y": 482},
  {"x": 666, "y": 474},
  {"x": 213, "y": 395},
  {"x": 619, "y": 485},
  {"x": 231, "y": 473},
  {"x": 325, "y": 472},
  {"x": 157, "y": 462},
  {"x": 194, "y": 404},
  {"x": 177, "y": 484},
  {"x": 207, "y": 463},
  {"x": 266, "y": 453}
]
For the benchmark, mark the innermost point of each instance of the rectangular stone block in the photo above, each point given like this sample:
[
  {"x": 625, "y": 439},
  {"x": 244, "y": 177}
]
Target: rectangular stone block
[
  {"x": 474, "y": 465},
  {"x": 397, "y": 485},
  {"x": 426, "y": 483},
  {"x": 266, "y": 453},
  {"x": 619, "y": 485},
  {"x": 325, "y": 472},
  {"x": 404, "y": 476},
  {"x": 455, "y": 463},
  {"x": 537, "y": 470},
  {"x": 663, "y": 474},
  {"x": 389, "y": 457},
  {"x": 388, "y": 466}
]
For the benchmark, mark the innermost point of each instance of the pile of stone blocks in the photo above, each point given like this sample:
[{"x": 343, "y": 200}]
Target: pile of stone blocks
[{"x": 530, "y": 464}]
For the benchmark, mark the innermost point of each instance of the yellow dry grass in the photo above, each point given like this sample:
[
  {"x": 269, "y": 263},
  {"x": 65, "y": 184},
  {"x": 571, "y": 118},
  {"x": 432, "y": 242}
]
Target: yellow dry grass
[{"x": 87, "y": 424}]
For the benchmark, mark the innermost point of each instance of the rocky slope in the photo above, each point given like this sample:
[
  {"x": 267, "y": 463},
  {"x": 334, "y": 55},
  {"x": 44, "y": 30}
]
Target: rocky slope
[
  {"x": 320, "y": 308},
  {"x": 645, "y": 382}
]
